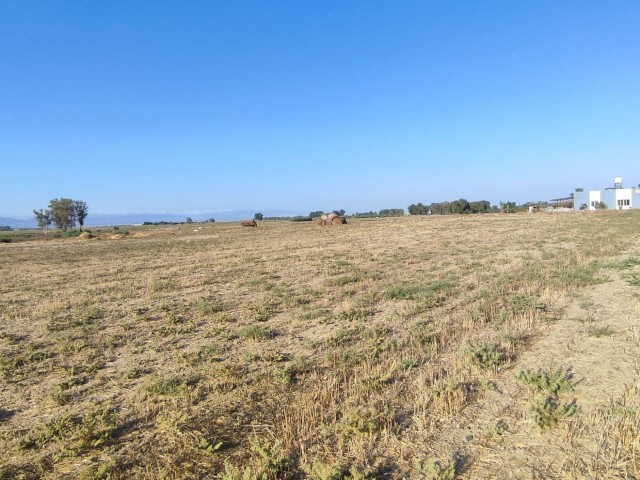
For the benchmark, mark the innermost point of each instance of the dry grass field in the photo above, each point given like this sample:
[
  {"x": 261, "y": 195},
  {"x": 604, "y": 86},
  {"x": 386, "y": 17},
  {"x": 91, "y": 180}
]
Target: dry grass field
[{"x": 467, "y": 347}]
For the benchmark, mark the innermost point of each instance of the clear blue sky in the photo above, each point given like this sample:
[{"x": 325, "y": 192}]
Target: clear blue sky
[{"x": 204, "y": 106}]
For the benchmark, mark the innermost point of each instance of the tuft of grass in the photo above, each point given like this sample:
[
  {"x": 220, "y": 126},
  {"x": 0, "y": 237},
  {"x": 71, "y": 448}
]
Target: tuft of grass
[
  {"x": 634, "y": 279},
  {"x": 169, "y": 386},
  {"x": 423, "y": 336},
  {"x": 598, "y": 332},
  {"x": 345, "y": 280},
  {"x": 619, "y": 264},
  {"x": 257, "y": 332},
  {"x": 262, "y": 313},
  {"x": 208, "y": 306},
  {"x": 355, "y": 314},
  {"x": 433, "y": 292}
]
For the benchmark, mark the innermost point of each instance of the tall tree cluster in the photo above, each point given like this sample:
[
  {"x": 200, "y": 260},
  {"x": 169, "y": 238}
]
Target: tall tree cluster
[{"x": 63, "y": 213}]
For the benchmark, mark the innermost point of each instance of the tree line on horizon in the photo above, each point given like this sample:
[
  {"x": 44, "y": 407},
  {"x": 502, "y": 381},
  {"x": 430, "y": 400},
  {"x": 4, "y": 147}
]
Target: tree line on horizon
[
  {"x": 459, "y": 206},
  {"x": 463, "y": 206}
]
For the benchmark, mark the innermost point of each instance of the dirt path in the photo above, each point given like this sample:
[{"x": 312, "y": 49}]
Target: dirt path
[{"x": 598, "y": 339}]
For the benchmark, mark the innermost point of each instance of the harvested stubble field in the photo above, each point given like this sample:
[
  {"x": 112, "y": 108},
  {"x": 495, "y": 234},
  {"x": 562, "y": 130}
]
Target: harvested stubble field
[{"x": 492, "y": 346}]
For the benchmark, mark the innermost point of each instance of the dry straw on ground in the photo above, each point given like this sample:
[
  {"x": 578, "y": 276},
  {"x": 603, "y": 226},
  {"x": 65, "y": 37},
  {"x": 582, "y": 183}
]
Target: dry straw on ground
[{"x": 390, "y": 348}]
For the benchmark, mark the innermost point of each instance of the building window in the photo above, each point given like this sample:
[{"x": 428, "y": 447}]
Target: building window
[
  {"x": 594, "y": 203},
  {"x": 624, "y": 203}
]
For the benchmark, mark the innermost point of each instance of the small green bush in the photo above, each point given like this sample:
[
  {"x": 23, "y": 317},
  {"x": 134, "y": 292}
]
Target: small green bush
[
  {"x": 547, "y": 412},
  {"x": 486, "y": 355},
  {"x": 555, "y": 382}
]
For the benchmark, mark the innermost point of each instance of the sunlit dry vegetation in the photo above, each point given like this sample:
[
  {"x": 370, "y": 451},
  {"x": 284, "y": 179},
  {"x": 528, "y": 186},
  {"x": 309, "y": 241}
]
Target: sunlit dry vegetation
[{"x": 292, "y": 351}]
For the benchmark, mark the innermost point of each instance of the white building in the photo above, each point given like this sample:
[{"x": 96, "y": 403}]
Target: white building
[{"x": 615, "y": 198}]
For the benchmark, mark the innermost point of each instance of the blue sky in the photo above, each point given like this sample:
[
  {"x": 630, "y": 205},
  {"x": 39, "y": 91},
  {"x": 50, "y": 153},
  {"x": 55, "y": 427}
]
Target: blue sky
[{"x": 167, "y": 106}]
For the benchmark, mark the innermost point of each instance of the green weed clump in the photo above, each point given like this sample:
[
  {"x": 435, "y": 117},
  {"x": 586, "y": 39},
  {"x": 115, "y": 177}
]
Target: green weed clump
[
  {"x": 598, "y": 332},
  {"x": 548, "y": 411},
  {"x": 170, "y": 386},
  {"x": 434, "y": 470},
  {"x": 634, "y": 279},
  {"x": 487, "y": 356},
  {"x": 621, "y": 264},
  {"x": 208, "y": 306},
  {"x": 432, "y": 291},
  {"x": 558, "y": 381},
  {"x": 257, "y": 332}
]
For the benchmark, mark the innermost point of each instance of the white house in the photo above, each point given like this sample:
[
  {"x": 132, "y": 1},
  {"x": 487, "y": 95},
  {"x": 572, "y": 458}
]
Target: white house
[{"x": 615, "y": 198}]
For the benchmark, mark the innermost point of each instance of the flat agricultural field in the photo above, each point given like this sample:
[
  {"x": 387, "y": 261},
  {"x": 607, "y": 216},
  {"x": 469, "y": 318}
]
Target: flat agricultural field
[{"x": 471, "y": 347}]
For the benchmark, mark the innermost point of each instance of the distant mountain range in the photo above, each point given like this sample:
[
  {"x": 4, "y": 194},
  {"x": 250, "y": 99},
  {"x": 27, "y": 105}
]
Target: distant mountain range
[{"x": 137, "y": 218}]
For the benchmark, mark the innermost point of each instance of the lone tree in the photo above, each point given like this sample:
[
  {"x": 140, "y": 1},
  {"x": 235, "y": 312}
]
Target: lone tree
[
  {"x": 258, "y": 216},
  {"x": 189, "y": 220},
  {"x": 81, "y": 210},
  {"x": 63, "y": 213},
  {"x": 43, "y": 217}
]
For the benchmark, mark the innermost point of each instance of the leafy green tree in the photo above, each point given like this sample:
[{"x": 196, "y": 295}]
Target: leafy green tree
[
  {"x": 584, "y": 206},
  {"x": 258, "y": 216},
  {"x": 442, "y": 208},
  {"x": 460, "y": 206},
  {"x": 340, "y": 212},
  {"x": 63, "y": 213},
  {"x": 316, "y": 214},
  {"x": 391, "y": 212},
  {"x": 43, "y": 218},
  {"x": 189, "y": 220},
  {"x": 601, "y": 206},
  {"x": 480, "y": 206},
  {"x": 507, "y": 207},
  {"x": 418, "y": 209},
  {"x": 81, "y": 211}
]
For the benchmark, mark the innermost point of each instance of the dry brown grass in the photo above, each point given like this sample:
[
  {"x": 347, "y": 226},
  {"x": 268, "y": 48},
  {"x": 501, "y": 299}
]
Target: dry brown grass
[{"x": 228, "y": 351}]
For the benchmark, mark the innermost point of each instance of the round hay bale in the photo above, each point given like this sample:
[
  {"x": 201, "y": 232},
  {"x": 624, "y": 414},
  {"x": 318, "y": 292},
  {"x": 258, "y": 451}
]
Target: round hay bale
[
  {"x": 323, "y": 216},
  {"x": 85, "y": 236},
  {"x": 320, "y": 222},
  {"x": 336, "y": 221},
  {"x": 331, "y": 216}
]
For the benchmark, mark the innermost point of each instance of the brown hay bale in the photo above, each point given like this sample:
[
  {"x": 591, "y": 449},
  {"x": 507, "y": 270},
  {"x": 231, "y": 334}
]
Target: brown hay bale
[
  {"x": 323, "y": 216},
  {"x": 336, "y": 221},
  {"x": 331, "y": 216},
  {"x": 320, "y": 222},
  {"x": 85, "y": 236}
]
